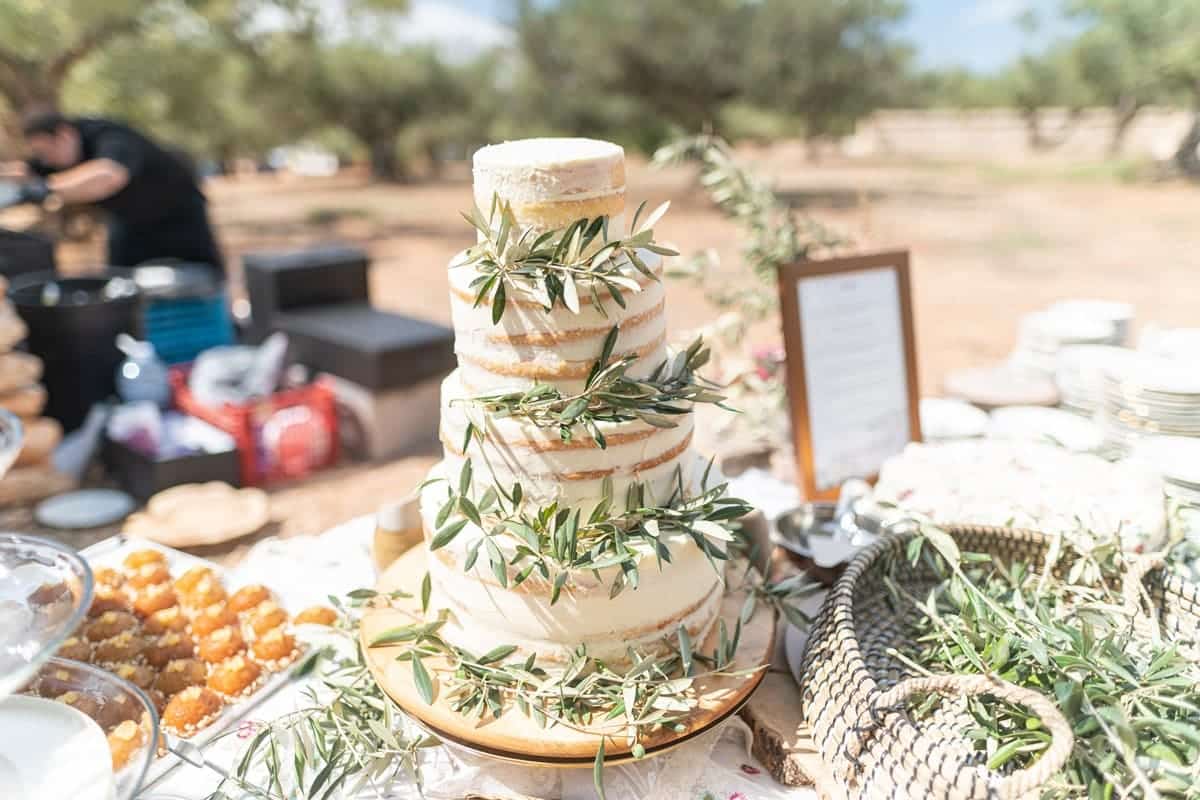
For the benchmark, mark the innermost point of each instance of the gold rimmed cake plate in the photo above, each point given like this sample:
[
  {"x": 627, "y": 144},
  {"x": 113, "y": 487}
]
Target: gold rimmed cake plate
[{"x": 515, "y": 737}]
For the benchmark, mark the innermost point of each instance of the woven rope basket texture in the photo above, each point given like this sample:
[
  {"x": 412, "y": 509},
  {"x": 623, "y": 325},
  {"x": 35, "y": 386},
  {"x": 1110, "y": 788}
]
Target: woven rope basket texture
[{"x": 853, "y": 691}]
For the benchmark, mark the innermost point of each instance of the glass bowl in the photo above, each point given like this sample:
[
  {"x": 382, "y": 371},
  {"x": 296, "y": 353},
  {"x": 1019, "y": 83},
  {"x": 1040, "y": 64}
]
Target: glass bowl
[
  {"x": 125, "y": 715},
  {"x": 12, "y": 436},
  {"x": 45, "y": 591}
]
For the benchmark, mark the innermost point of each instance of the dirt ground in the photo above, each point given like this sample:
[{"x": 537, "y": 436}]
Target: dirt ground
[{"x": 988, "y": 245}]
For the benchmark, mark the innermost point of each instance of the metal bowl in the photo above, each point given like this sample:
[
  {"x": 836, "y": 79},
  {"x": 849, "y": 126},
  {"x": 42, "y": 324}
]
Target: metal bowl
[
  {"x": 811, "y": 531},
  {"x": 794, "y": 529},
  {"x": 45, "y": 591}
]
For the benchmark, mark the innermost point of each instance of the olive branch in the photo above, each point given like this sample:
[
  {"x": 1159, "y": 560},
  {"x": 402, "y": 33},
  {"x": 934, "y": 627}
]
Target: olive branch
[
  {"x": 556, "y": 540},
  {"x": 1061, "y": 627},
  {"x": 557, "y": 265},
  {"x": 609, "y": 396}
]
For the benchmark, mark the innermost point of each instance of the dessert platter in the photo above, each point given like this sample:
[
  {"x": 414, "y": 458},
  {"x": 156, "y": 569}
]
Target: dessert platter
[{"x": 580, "y": 595}]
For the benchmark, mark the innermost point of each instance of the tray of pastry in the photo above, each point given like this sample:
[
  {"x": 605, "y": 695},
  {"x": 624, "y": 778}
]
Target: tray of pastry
[{"x": 204, "y": 650}]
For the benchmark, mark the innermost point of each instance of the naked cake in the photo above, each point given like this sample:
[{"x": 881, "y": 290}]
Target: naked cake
[{"x": 517, "y": 571}]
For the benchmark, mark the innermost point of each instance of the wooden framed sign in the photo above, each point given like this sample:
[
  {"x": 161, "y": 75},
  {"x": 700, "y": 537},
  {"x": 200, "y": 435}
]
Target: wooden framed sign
[{"x": 851, "y": 366}]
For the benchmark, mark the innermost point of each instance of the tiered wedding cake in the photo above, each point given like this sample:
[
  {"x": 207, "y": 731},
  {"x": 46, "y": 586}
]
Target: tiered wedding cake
[{"x": 529, "y": 578}]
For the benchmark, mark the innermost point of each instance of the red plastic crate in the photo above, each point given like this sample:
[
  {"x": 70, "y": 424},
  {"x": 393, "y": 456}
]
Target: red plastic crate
[{"x": 244, "y": 422}]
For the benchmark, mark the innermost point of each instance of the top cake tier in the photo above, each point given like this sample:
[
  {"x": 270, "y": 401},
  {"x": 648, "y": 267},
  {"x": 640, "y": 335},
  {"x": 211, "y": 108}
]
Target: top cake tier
[{"x": 550, "y": 183}]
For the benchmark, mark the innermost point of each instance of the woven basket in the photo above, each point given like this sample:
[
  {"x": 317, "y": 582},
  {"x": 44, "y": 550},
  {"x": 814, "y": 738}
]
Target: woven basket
[{"x": 854, "y": 692}]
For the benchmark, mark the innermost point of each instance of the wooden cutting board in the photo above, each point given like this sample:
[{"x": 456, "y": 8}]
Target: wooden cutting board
[{"x": 782, "y": 741}]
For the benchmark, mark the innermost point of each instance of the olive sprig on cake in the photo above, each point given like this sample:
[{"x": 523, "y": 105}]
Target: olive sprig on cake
[
  {"x": 555, "y": 266},
  {"x": 655, "y": 691},
  {"x": 557, "y": 540},
  {"x": 609, "y": 395}
]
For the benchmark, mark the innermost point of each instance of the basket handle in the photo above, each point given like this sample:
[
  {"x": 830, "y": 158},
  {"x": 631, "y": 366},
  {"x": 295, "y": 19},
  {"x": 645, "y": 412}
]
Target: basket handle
[
  {"x": 1018, "y": 783},
  {"x": 1132, "y": 592}
]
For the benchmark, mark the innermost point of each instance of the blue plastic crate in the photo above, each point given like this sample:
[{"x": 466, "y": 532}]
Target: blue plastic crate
[{"x": 182, "y": 328}]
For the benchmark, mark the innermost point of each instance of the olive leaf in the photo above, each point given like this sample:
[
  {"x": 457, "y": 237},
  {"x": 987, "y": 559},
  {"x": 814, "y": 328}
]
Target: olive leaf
[{"x": 555, "y": 267}]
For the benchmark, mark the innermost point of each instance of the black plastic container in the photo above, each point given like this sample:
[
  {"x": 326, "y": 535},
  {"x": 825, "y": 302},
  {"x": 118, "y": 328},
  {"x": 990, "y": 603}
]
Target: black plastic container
[
  {"x": 23, "y": 253},
  {"x": 316, "y": 276},
  {"x": 376, "y": 349},
  {"x": 73, "y": 330},
  {"x": 143, "y": 477}
]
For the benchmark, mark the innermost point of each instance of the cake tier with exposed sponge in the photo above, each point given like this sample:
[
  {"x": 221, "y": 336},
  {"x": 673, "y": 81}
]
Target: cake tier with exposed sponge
[{"x": 550, "y": 184}]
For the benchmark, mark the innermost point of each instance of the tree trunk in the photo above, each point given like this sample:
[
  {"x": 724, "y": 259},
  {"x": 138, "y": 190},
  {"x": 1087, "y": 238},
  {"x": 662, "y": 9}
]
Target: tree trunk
[
  {"x": 1123, "y": 116},
  {"x": 812, "y": 149},
  {"x": 1039, "y": 139},
  {"x": 385, "y": 165},
  {"x": 433, "y": 153},
  {"x": 1033, "y": 128},
  {"x": 1187, "y": 155},
  {"x": 24, "y": 94}
]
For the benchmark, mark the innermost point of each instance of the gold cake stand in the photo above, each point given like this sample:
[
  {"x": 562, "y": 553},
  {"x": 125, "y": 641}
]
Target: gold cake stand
[{"x": 515, "y": 737}]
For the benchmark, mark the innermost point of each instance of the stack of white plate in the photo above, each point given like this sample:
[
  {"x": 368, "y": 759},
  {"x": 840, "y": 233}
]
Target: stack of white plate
[
  {"x": 1118, "y": 315},
  {"x": 1042, "y": 334},
  {"x": 1079, "y": 374},
  {"x": 944, "y": 419},
  {"x": 1150, "y": 396},
  {"x": 1047, "y": 425},
  {"x": 1177, "y": 459},
  {"x": 1177, "y": 343}
]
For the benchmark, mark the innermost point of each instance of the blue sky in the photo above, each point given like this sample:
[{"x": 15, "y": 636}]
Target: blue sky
[{"x": 978, "y": 34}]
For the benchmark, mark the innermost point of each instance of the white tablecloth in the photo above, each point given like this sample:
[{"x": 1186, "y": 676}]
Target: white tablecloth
[{"x": 306, "y": 570}]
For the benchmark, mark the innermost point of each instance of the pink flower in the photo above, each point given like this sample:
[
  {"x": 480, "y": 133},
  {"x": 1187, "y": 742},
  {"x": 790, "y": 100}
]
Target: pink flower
[
  {"x": 767, "y": 359},
  {"x": 739, "y": 795},
  {"x": 247, "y": 728}
]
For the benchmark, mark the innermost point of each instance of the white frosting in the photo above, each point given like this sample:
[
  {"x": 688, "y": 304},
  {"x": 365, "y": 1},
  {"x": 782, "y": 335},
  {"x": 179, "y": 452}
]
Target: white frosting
[
  {"x": 52, "y": 751},
  {"x": 548, "y": 170},
  {"x": 531, "y": 344},
  {"x": 687, "y": 591},
  {"x": 516, "y": 450}
]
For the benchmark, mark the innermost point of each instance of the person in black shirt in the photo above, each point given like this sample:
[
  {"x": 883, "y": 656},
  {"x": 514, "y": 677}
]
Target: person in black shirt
[{"x": 155, "y": 207}]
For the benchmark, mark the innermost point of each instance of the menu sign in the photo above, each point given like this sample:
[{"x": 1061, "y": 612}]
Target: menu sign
[{"x": 851, "y": 366}]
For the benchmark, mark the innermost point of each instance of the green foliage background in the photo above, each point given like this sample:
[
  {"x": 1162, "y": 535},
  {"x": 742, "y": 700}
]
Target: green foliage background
[{"x": 230, "y": 78}]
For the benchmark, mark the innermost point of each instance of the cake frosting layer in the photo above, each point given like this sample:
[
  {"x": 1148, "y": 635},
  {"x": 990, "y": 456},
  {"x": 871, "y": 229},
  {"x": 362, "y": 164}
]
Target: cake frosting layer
[
  {"x": 515, "y": 450},
  {"x": 531, "y": 344},
  {"x": 551, "y": 182},
  {"x": 685, "y": 591}
]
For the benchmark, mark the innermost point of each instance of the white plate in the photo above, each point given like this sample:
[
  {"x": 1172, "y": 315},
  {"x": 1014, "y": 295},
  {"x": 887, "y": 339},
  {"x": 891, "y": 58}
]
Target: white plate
[
  {"x": 1175, "y": 457},
  {"x": 86, "y": 508},
  {"x": 1179, "y": 380},
  {"x": 1034, "y": 423},
  {"x": 946, "y": 418},
  {"x": 1108, "y": 310}
]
